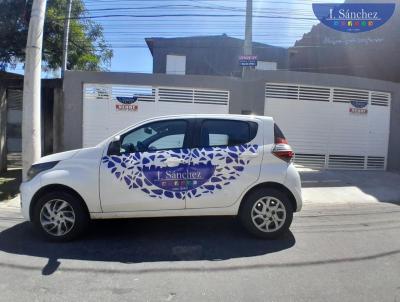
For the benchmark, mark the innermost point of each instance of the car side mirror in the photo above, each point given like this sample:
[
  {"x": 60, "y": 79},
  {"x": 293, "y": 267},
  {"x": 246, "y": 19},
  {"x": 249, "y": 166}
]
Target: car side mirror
[{"x": 115, "y": 146}]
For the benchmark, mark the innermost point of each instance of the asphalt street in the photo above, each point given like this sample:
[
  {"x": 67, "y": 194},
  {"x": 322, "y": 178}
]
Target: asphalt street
[{"x": 347, "y": 252}]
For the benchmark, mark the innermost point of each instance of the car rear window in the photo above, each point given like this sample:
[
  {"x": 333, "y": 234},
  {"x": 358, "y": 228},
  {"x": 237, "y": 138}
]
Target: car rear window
[
  {"x": 279, "y": 136},
  {"x": 226, "y": 132}
]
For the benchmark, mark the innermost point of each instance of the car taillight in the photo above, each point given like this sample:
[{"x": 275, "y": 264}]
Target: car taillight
[
  {"x": 280, "y": 140},
  {"x": 283, "y": 151}
]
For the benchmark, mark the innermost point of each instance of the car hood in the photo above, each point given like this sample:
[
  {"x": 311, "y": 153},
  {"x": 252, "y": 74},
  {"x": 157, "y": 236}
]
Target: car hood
[{"x": 58, "y": 156}]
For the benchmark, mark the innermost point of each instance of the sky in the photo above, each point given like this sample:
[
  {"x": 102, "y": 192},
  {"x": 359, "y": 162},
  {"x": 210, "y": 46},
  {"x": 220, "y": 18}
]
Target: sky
[
  {"x": 127, "y": 23},
  {"x": 276, "y": 22}
]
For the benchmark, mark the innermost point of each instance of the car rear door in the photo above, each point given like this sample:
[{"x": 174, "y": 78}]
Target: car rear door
[{"x": 227, "y": 159}]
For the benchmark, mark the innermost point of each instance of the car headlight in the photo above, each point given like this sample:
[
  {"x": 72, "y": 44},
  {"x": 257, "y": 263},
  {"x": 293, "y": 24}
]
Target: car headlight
[{"x": 37, "y": 168}]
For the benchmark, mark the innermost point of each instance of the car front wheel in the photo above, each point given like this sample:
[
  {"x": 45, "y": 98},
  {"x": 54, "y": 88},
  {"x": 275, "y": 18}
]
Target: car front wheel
[
  {"x": 266, "y": 213},
  {"x": 60, "y": 216}
]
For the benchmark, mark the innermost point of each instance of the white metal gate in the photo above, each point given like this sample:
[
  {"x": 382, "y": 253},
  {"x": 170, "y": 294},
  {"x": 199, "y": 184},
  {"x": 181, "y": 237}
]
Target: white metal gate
[
  {"x": 326, "y": 127},
  {"x": 109, "y": 108}
]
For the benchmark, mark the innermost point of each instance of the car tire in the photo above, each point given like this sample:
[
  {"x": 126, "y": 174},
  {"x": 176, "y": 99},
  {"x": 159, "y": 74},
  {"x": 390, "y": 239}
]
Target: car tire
[
  {"x": 266, "y": 213},
  {"x": 60, "y": 216}
]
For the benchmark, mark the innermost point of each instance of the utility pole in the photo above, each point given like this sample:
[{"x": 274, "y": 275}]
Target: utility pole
[
  {"x": 31, "y": 132},
  {"x": 248, "y": 40},
  {"x": 66, "y": 38}
]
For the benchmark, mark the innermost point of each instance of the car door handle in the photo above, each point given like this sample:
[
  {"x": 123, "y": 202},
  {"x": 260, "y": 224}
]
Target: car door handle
[
  {"x": 249, "y": 155},
  {"x": 174, "y": 161}
]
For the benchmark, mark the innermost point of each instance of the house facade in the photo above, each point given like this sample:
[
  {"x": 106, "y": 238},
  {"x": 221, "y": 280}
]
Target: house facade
[{"x": 210, "y": 55}]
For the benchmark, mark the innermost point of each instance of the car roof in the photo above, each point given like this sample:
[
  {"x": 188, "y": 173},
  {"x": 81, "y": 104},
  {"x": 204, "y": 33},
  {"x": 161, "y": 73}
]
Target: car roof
[{"x": 213, "y": 116}]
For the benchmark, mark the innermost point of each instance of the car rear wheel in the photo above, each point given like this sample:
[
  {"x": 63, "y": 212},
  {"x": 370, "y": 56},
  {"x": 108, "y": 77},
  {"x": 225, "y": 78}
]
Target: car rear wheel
[
  {"x": 60, "y": 216},
  {"x": 266, "y": 213}
]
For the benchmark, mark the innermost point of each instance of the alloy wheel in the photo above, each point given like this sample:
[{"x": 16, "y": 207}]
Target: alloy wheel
[
  {"x": 268, "y": 214},
  {"x": 57, "y": 217}
]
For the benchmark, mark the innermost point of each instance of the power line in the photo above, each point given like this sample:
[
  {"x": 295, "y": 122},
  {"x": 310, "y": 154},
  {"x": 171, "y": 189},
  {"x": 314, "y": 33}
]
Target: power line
[
  {"x": 188, "y": 15},
  {"x": 188, "y": 6}
]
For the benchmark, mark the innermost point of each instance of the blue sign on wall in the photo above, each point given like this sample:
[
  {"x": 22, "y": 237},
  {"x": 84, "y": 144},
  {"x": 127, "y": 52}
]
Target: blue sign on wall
[
  {"x": 358, "y": 107},
  {"x": 127, "y": 100},
  {"x": 354, "y": 17},
  {"x": 359, "y": 104},
  {"x": 248, "y": 61}
]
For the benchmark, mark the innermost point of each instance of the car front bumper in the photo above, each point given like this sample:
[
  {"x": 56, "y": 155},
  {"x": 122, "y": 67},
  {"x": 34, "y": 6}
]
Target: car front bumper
[{"x": 27, "y": 190}]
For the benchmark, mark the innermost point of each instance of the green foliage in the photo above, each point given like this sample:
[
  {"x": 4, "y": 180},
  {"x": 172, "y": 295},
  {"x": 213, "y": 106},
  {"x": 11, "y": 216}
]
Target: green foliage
[{"x": 87, "y": 48}]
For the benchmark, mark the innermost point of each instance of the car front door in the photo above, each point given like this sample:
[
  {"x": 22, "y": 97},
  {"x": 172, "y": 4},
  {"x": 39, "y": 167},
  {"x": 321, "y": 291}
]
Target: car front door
[
  {"x": 148, "y": 172},
  {"x": 228, "y": 155}
]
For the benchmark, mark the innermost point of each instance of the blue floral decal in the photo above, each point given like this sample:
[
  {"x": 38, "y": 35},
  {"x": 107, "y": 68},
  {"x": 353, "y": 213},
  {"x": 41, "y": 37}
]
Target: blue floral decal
[{"x": 210, "y": 169}]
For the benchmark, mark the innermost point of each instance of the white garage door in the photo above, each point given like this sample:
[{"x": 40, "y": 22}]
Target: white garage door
[
  {"x": 109, "y": 108},
  {"x": 329, "y": 127}
]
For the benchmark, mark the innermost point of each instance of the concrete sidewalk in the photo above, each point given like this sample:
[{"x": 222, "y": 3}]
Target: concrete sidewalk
[
  {"x": 338, "y": 187},
  {"x": 13, "y": 204}
]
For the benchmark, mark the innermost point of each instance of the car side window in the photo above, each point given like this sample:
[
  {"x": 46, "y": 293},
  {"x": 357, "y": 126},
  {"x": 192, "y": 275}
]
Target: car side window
[
  {"x": 168, "y": 142},
  {"x": 155, "y": 136},
  {"x": 226, "y": 132}
]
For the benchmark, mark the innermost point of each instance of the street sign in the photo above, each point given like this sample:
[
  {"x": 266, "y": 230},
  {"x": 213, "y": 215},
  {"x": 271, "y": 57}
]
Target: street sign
[{"x": 248, "y": 61}]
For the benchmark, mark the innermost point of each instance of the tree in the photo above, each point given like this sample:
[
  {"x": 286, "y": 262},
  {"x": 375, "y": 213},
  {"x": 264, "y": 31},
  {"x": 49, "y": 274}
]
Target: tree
[{"x": 87, "y": 49}]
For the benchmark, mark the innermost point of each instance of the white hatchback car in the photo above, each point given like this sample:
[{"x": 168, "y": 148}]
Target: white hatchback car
[{"x": 183, "y": 165}]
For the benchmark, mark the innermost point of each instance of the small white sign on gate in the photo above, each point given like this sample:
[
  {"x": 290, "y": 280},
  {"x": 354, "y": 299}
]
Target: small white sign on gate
[{"x": 358, "y": 107}]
